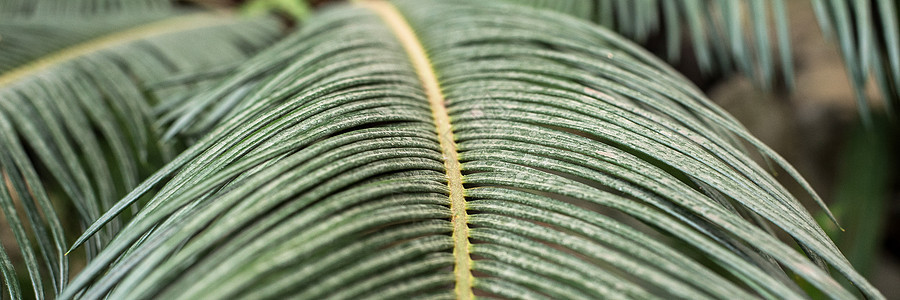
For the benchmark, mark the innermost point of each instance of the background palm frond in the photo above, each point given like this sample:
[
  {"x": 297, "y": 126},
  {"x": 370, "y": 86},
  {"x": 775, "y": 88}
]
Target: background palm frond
[
  {"x": 742, "y": 34},
  {"x": 37, "y": 8},
  {"x": 868, "y": 33},
  {"x": 78, "y": 131},
  {"x": 724, "y": 35},
  {"x": 23, "y": 40},
  {"x": 591, "y": 170},
  {"x": 31, "y": 29}
]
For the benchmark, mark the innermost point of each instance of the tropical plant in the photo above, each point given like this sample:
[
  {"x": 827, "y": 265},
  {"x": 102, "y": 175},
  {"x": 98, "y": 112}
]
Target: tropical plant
[{"x": 437, "y": 149}]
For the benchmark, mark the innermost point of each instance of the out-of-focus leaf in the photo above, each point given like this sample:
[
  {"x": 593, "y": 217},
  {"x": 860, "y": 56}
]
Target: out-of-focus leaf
[{"x": 868, "y": 33}]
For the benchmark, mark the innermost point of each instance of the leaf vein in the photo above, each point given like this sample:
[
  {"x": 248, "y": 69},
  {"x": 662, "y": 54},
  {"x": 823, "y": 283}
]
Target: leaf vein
[{"x": 459, "y": 218}]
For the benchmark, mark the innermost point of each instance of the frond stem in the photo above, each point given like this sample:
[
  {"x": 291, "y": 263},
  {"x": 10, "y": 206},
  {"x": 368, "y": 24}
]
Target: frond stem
[{"x": 459, "y": 218}]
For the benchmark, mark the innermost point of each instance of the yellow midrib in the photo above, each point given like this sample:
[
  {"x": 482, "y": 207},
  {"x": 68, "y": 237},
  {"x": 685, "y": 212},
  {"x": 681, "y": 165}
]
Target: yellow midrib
[
  {"x": 114, "y": 39},
  {"x": 418, "y": 57}
]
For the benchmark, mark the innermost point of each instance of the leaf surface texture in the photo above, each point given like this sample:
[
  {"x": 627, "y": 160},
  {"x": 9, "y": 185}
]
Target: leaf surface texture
[{"x": 589, "y": 170}]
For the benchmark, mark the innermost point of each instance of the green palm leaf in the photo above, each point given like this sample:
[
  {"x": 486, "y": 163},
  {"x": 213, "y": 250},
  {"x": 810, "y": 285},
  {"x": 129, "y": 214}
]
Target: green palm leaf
[
  {"x": 78, "y": 132},
  {"x": 452, "y": 149}
]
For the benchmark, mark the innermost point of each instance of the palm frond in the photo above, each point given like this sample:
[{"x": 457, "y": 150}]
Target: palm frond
[
  {"x": 725, "y": 35},
  {"x": 77, "y": 128},
  {"x": 38, "y": 8},
  {"x": 24, "y": 40},
  {"x": 452, "y": 149},
  {"x": 868, "y": 34},
  {"x": 31, "y": 29},
  {"x": 738, "y": 33}
]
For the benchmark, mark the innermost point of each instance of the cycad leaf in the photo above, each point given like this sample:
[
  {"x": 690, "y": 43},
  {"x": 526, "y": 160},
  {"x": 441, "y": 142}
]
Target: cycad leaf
[
  {"x": 78, "y": 125},
  {"x": 452, "y": 149}
]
